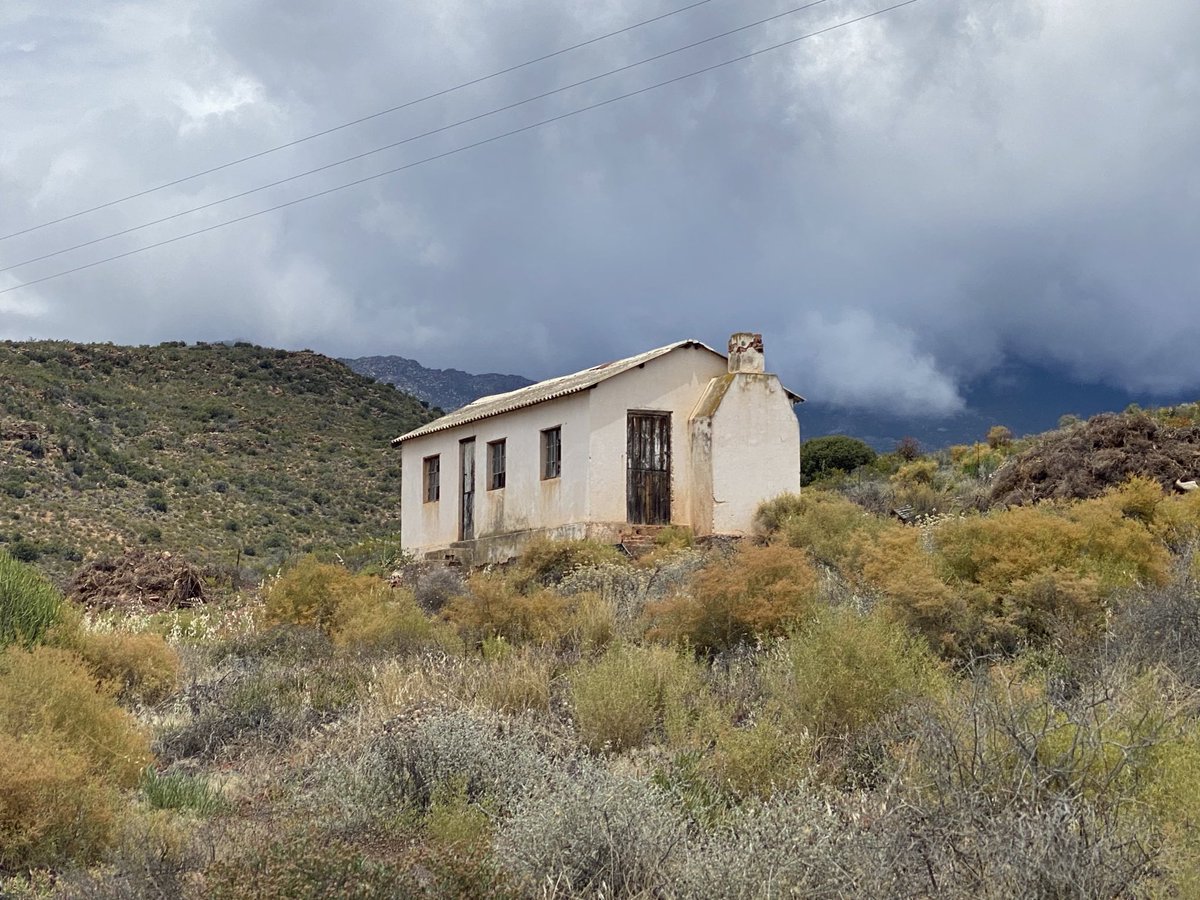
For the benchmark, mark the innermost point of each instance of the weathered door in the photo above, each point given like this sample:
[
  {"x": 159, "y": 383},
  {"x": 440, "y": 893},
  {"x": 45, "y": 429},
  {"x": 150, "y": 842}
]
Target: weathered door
[
  {"x": 648, "y": 482},
  {"x": 466, "y": 508}
]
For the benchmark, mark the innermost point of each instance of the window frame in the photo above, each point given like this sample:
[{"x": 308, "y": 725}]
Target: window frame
[
  {"x": 497, "y": 452},
  {"x": 431, "y": 478},
  {"x": 551, "y": 453}
]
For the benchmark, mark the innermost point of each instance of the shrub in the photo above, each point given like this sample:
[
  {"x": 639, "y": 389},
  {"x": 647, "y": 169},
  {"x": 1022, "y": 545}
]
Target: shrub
[
  {"x": 1015, "y": 578},
  {"x": 999, "y": 436},
  {"x": 632, "y": 694},
  {"x": 53, "y": 810},
  {"x": 309, "y": 593},
  {"x": 484, "y": 756},
  {"x": 141, "y": 667},
  {"x": 592, "y": 834},
  {"x": 52, "y": 692},
  {"x": 757, "y": 761},
  {"x": 494, "y": 607},
  {"x": 66, "y": 750},
  {"x": 843, "y": 671},
  {"x": 831, "y": 528},
  {"x": 546, "y": 561},
  {"x": 796, "y": 843},
  {"x": 833, "y": 453},
  {"x": 759, "y": 592},
  {"x": 29, "y": 605},
  {"x": 379, "y": 618}
]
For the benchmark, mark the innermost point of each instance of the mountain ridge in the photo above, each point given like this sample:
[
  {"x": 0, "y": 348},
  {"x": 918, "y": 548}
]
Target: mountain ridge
[{"x": 444, "y": 389}]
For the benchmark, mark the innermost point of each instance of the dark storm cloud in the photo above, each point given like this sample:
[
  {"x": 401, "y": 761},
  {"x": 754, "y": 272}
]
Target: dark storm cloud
[{"x": 900, "y": 206}]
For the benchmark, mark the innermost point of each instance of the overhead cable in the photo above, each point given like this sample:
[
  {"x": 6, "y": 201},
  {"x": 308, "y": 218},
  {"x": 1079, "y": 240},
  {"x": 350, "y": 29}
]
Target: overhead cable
[
  {"x": 461, "y": 149},
  {"x": 416, "y": 137},
  {"x": 367, "y": 118}
]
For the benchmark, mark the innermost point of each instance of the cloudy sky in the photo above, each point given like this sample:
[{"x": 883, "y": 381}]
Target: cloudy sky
[{"x": 902, "y": 205}]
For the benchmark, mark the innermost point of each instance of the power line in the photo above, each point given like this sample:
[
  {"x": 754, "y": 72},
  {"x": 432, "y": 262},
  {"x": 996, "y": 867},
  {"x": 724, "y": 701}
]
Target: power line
[
  {"x": 475, "y": 118},
  {"x": 383, "y": 112},
  {"x": 524, "y": 128}
]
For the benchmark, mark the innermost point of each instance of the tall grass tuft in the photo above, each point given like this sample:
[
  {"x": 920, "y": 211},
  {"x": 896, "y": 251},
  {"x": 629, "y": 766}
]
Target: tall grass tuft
[
  {"x": 29, "y": 605},
  {"x": 180, "y": 791}
]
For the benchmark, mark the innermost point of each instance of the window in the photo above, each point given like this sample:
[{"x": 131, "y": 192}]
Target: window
[
  {"x": 432, "y": 476},
  {"x": 495, "y": 459},
  {"x": 551, "y": 453}
]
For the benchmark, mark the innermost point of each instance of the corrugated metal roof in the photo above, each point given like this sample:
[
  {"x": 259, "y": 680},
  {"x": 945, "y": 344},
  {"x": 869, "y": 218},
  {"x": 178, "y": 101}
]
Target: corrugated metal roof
[{"x": 496, "y": 404}]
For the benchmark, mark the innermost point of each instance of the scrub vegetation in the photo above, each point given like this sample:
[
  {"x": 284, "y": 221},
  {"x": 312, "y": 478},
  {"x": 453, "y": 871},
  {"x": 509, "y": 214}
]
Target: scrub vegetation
[
  {"x": 240, "y": 456},
  {"x": 984, "y": 701}
]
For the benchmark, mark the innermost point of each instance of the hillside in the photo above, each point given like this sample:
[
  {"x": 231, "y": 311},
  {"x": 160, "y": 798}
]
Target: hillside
[
  {"x": 221, "y": 453},
  {"x": 444, "y": 388}
]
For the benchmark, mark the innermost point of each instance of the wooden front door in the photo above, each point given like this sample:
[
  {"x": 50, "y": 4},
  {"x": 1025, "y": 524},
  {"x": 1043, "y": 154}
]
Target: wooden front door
[
  {"x": 466, "y": 506},
  {"x": 648, "y": 482}
]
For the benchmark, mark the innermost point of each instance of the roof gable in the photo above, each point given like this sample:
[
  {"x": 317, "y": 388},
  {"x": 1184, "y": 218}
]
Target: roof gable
[{"x": 497, "y": 404}]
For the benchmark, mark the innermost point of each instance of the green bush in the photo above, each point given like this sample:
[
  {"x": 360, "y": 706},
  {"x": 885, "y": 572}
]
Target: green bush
[
  {"x": 831, "y": 528},
  {"x": 633, "y": 694},
  {"x": 29, "y": 605},
  {"x": 833, "y": 453},
  {"x": 843, "y": 671}
]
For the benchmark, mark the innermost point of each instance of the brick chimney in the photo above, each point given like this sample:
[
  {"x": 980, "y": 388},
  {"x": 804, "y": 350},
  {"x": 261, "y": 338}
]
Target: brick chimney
[{"x": 746, "y": 352}]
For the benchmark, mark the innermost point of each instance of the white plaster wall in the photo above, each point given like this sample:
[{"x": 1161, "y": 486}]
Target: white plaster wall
[
  {"x": 755, "y": 450},
  {"x": 526, "y": 501},
  {"x": 671, "y": 383}
]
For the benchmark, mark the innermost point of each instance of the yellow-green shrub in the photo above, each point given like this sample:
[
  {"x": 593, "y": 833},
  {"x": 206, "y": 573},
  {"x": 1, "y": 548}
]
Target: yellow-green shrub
[
  {"x": 51, "y": 691},
  {"x": 53, "y": 809},
  {"x": 632, "y": 694},
  {"x": 827, "y": 525},
  {"x": 843, "y": 671},
  {"x": 548, "y": 561},
  {"x": 998, "y": 582},
  {"x": 760, "y": 591},
  {"x": 66, "y": 749},
  {"x": 309, "y": 593},
  {"x": 757, "y": 761},
  {"x": 140, "y": 666},
  {"x": 380, "y": 618},
  {"x": 494, "y": 607},
  {"x": 359, "y": 612}
]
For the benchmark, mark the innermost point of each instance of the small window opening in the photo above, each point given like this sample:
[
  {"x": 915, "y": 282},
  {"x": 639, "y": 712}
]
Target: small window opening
[
  {"x": 551, "y": 453},
  {"x": 495, "y": 465}
]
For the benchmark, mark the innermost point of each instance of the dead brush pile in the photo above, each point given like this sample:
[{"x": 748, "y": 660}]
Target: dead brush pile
[
  {"x": 1082, "y": 461},
  {"x": 138, "y": 579}
]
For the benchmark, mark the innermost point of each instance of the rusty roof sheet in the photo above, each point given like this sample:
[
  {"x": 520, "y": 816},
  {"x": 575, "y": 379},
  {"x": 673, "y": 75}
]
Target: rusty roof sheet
[{"x": 496, "y": 404}]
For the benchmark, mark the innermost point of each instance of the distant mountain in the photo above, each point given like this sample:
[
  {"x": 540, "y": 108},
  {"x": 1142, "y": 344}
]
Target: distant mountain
[
  {"x": 444, "y": 388},
  {"x": 1027, "y": 399}
]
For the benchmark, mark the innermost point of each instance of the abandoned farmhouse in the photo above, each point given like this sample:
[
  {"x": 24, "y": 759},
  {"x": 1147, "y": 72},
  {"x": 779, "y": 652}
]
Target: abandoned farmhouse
[{"x": 680, "y": 435}]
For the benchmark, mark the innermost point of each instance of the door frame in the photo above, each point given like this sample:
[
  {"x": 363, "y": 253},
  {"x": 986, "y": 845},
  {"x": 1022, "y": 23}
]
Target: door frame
[
  {"x": 466, "y": 489},
  {"x": 653, "y": 508}
]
